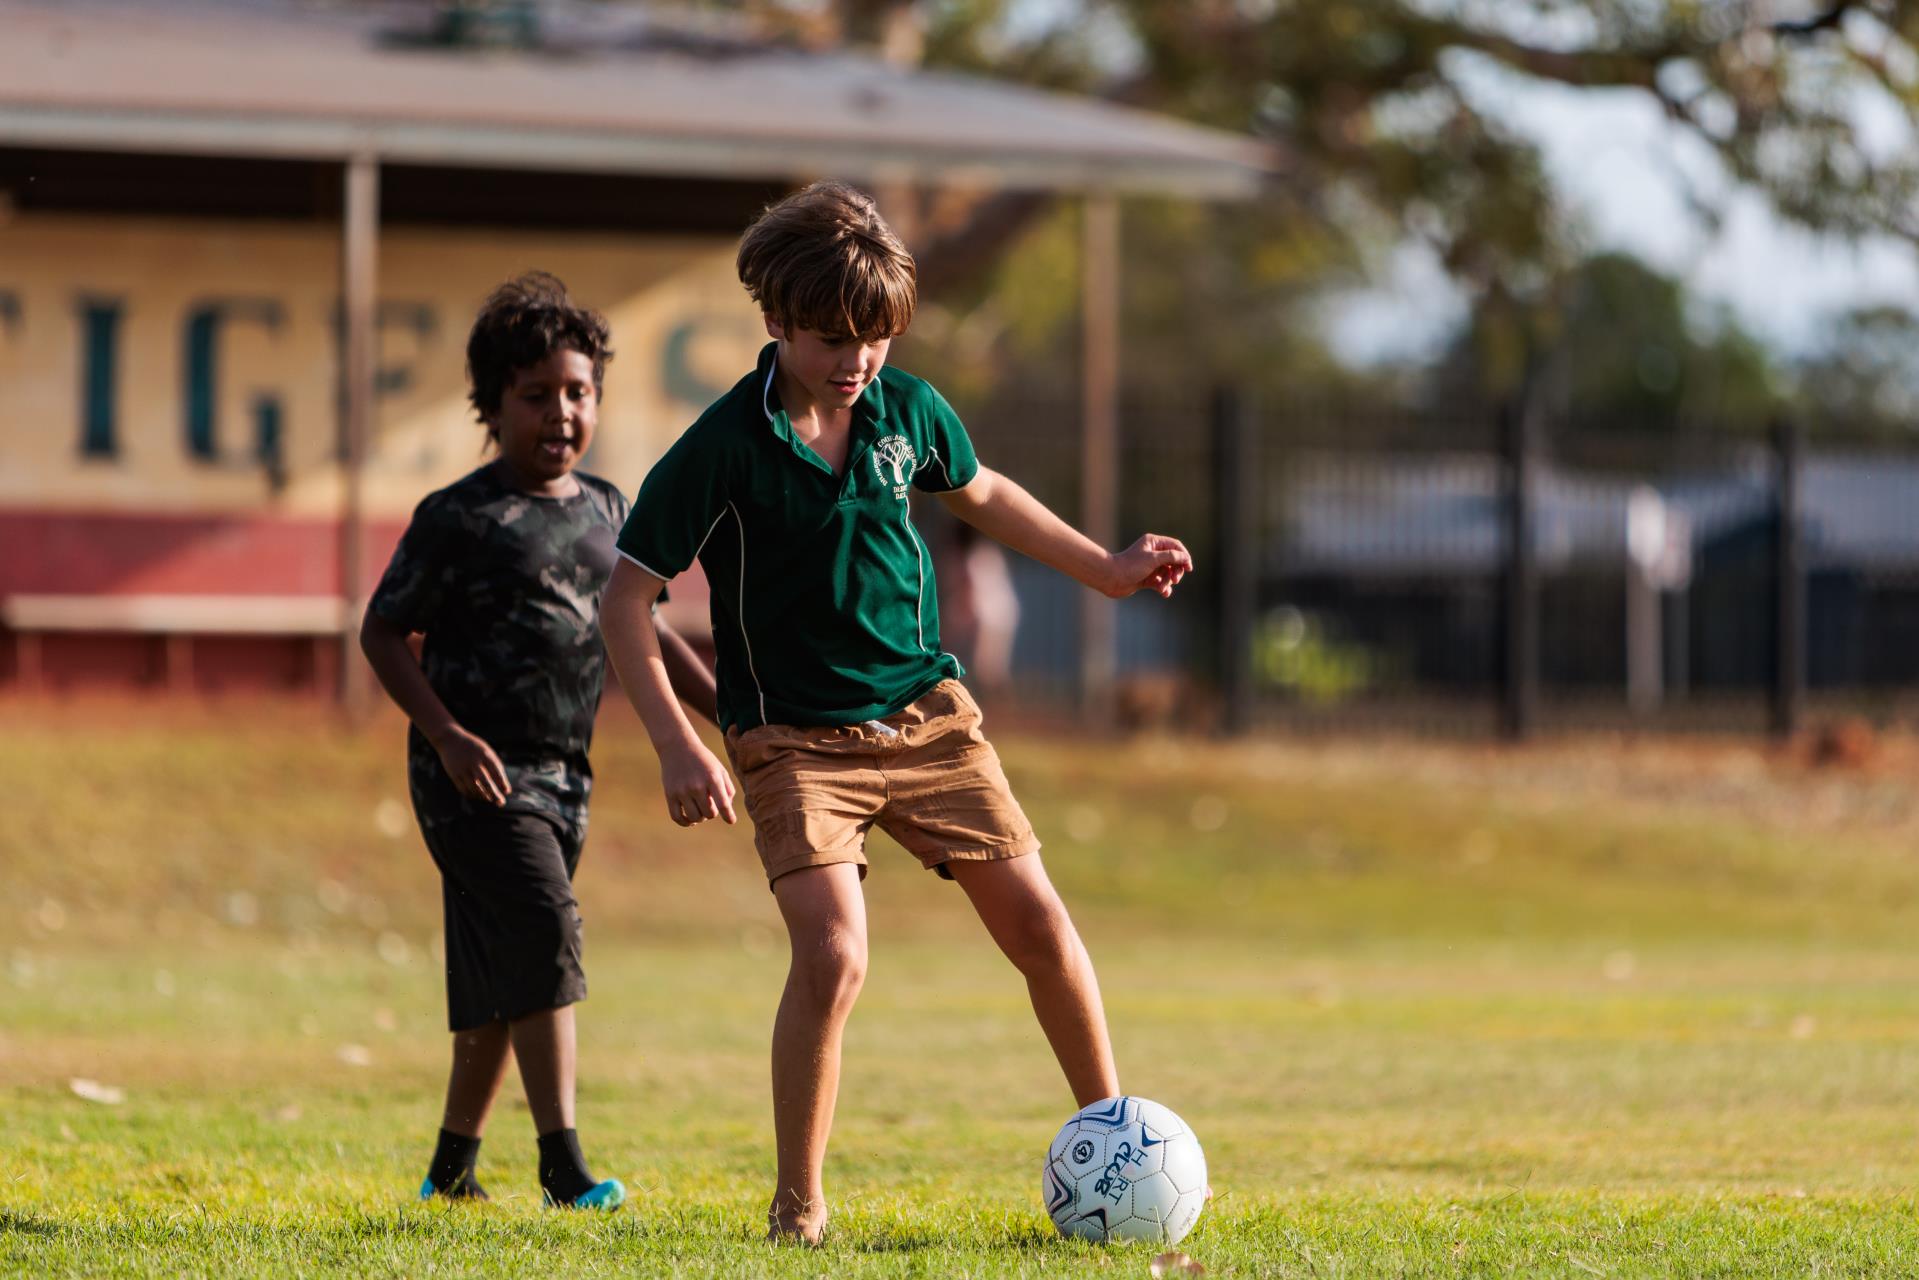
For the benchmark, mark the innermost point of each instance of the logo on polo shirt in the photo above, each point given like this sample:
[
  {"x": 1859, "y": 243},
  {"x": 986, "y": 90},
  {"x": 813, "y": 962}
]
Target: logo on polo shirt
[{"x": 893, "y": 460}]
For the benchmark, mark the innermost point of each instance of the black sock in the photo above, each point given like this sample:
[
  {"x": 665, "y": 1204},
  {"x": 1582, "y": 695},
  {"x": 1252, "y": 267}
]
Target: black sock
[
  {"x": 563, "y": 1172},
  {"x": 451, "y": 1172}
]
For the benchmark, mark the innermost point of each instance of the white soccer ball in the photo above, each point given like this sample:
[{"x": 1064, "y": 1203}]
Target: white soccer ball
[{"x": 1125, "y": 1169}]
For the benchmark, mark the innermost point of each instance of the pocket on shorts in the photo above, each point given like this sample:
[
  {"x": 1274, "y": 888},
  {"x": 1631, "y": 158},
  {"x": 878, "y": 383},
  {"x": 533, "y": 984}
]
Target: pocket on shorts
[
  {"x": 756, "y": 747},
  {"x": 953, "y": 704},
  {"x": 777, "y": 768}
]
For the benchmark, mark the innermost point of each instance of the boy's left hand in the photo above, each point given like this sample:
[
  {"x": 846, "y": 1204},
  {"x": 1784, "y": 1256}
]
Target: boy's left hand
[{"x": 1154, "y": 563}]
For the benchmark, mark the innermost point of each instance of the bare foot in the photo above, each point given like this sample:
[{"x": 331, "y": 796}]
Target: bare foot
[{"x": 804, "y": 1225}]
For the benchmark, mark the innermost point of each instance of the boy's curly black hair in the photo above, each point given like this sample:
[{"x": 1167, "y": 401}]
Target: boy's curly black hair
[{"x": 520, "y": 324}]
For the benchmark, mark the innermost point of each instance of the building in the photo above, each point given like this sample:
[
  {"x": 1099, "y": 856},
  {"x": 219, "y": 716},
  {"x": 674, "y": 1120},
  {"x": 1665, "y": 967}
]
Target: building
[
  {"x": 240, "y": 245},
  {"x": 1401, "y": 560}
]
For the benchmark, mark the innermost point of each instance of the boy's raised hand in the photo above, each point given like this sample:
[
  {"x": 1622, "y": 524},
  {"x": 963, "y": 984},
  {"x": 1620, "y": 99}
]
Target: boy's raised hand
[
  {"x": 472, "y": 765},
  {"x": 697, "y": 786},
  {"x": 1155, "y": 563}
]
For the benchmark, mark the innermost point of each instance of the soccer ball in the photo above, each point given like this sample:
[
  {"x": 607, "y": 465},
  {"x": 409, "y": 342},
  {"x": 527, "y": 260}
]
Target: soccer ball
[{"x": 1125, "y": 1169}]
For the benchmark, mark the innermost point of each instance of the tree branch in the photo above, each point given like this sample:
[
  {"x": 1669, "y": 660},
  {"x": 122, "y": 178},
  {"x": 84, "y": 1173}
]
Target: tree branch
[
  {"x": 1829, "y": 18},
  {"x": 1632, "y": 66}
]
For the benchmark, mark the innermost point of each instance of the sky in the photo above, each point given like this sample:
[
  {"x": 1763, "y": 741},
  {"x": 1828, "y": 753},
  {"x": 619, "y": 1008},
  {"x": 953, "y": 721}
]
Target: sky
[{"x": 1622, "y": 168}]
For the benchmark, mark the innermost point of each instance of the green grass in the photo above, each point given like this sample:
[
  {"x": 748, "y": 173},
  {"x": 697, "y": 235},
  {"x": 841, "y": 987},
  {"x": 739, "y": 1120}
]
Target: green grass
[{"x": 1434, "y": 1011}]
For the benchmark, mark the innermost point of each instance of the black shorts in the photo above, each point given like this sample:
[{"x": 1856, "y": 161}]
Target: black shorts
[{"x": 512, "y": 924}]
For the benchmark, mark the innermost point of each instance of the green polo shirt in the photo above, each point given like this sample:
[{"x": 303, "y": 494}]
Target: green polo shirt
[{"x": 824, "y": 611}]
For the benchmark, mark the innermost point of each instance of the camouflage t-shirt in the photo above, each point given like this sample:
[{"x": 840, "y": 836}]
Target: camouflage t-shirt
[{"x": 506, "y": 587}]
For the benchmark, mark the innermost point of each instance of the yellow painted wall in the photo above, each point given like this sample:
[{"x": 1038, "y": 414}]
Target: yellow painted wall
[{"x": 683, "y": 330}]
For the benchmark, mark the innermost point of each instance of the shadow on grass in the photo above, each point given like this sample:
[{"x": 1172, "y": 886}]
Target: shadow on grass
[
  {"x": 910, "y": 1238},
  {"x": 13, "y": 1223}
]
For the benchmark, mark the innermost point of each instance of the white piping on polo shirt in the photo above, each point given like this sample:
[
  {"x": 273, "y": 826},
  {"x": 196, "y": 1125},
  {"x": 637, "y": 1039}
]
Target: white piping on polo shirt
[
  {"x": 745, "y": 639},
  {"x": 919, "y": 549},
  {"x": 663, "y": 577},
  {"x": 766, "y": 404},
  {"x": 709, "y": 534},
  {"x": 944, "y": 469},
  {"x": 667, "y": 577}
]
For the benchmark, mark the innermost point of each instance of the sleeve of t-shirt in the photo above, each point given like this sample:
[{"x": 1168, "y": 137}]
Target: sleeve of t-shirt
[
  {"x": 679, "y": 502},
  {"x": 949, "y": 462},
  {"x": 415, "y": 586}
]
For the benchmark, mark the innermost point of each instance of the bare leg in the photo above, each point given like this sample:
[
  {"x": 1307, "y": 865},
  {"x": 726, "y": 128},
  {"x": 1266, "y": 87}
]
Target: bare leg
[
  {"x": 544, "y": 1042},
  {"x": 479, "y": 1065},
  {"x": 826, "y": 924},
  {"x": 1022, "y": 911}
]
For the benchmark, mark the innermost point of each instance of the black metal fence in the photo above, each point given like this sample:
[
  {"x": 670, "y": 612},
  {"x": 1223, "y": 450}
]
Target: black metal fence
[{"x": 1484, "y": 571}]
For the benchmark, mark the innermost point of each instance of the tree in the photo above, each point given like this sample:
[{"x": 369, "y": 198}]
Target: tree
[
  {"x": 1623, "y": 347},
  {"x": 1864, "y": 379},
  {"x": 1379, "y": 110}
]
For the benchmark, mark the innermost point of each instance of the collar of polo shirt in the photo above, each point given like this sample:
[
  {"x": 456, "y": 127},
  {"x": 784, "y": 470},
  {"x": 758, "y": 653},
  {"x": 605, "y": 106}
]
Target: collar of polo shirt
[{"x": 867, "y": 411}]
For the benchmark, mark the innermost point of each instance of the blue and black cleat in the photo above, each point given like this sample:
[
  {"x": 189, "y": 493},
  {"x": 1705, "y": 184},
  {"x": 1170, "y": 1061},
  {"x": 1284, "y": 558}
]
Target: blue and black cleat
[{"x": 605, "y": 1196}]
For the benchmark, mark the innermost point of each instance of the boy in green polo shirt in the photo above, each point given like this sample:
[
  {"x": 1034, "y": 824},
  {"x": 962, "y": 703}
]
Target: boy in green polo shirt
[{"x": 841, "y": 710}]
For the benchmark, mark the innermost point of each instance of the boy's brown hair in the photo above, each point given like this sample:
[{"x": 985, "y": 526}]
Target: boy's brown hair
[
  {"x": 521, "y": 323},
  {"x": 823, "y": 259}
]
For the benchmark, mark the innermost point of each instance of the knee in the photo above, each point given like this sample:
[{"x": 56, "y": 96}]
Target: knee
[
  {"x": 1043, "y": 942},
  {"x": 828, "y": 973}
]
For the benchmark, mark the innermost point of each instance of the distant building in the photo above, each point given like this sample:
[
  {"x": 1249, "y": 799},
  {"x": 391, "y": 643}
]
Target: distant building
[
  {"x": 1404, "y": 556},
  {"x": 186, "y": 185}
]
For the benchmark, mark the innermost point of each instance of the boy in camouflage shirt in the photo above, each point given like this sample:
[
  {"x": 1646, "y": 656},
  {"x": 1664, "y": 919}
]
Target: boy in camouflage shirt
[{"x": 502, "y": 572}]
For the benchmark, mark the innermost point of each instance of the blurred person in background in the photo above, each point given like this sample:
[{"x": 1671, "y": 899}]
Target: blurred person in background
[{"x": 979, "y": 610}]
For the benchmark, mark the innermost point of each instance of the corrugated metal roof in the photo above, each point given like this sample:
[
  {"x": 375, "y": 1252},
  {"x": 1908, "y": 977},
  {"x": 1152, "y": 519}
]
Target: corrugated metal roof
[{"x": 283, "y": 78}]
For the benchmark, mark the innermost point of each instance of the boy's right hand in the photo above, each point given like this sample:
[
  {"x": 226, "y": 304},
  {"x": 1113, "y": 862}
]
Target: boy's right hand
[
  {"x": 1154, "y": 563},
  {"x": 697, "y": 785},
  {"x": 472, "y": 765}
]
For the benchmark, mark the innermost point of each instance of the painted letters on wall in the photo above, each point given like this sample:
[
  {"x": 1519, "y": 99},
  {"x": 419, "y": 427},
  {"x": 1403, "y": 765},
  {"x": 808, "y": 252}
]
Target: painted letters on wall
[{"x": 192, "y": 367}]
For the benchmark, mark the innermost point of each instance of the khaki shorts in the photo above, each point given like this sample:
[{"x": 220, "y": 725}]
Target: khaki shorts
[{"x": 928, "y": 778}]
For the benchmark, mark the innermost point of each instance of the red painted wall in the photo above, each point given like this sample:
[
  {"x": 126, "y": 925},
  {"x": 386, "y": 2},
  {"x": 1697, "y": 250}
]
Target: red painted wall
[
  {"x": 78, "y": 553},
  {"x": 114, "y": 554}
]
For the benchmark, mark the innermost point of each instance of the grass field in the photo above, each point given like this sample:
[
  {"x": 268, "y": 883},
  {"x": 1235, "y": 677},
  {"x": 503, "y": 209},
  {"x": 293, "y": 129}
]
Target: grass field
[{"x": 1585, "y": 1010}]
